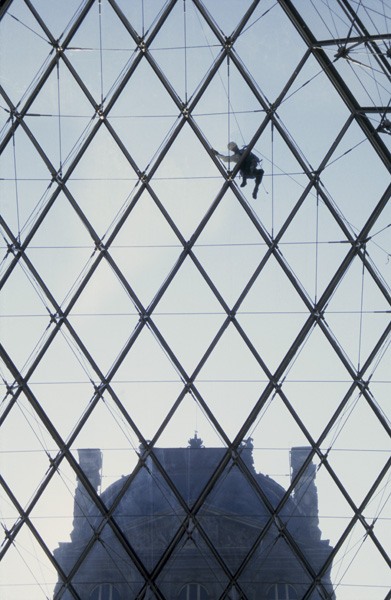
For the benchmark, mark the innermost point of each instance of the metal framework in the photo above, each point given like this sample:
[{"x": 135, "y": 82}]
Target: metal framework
[{"x": 358, "y": 29}]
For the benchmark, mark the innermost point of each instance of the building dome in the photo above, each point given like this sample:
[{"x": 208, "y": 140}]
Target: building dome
[{"x": 193, "y": 516}]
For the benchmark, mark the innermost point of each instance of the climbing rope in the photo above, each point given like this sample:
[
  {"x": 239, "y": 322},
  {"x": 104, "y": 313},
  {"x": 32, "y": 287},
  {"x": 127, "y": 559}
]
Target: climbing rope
[
  {"x": 228, "y": 107},
  {"x": 59, "y": 116},
  {"x": 16, "y": 177},
  {"x": 272, "y": 144},
  {"x": 100, "y": 51},
  {"x": 185, "y": 46},
  {"x": 316, "y": 245},
  {"x": 361, "y": 312}
]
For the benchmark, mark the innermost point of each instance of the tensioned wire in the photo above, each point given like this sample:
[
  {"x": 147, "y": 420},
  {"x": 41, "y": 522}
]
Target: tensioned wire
[
  {"x": 68, "y": 26},
  {"x": 226, "y": 91},
  {"x": 59, "y": 117},
  {"x": 68, "y": 484},
  {"x": 83, "y": 360},
  {"x": 176, "y": 507},
  {"x": 47, "y": 309},
  {"x": 75, "y": 283},
  {"x": 191, "y": 313},
  {"x": 43, "y": 585},
  {"x": 15, "y": 177},
  {"x": 372, "y": 71},
  {"x": 197, "y": 245},
  {"x": 228, "y": 107},
  {"x": 80, "y": 356},
  {"x": 316, "y": 8},
  {"x": 35, "y": 213},
  {"x": 80, "y": 143},
  {"x": 137, "y": 382},
  {"x": 368, "y": 9},
  {"x": 258, "y": 19},
  {"x": 339, "y": 563},
  {"x": 185, "y": 46},
  {"x": 100, "y": 50},
  {"x": 316, "y": 246},
  {"x": 32, "y": 450},
  {"x": 372, "y": 74},
  {"x": 155, "y": 21},
  {"x": 37, "y": 430},
  {"x": 361, "y": 314},
  {"x": 214, "y": 492},
  {"x": 272, "y": 162},
  {"x": 220, "y": 482},
  {"x": 341, "y": 421},
  {"x": 383, "y": 501},
  {"x": 85, "y": 364},
  {"x": 28, "y": 27}
]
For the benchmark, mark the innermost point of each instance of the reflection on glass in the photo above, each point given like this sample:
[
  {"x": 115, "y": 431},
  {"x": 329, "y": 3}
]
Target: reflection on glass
[
  {"x": 193, "y": 591},
  {"x": 194, "y": 521},
  {"x": 106, "y": 591},
  {"x": 281, "y": 591}
]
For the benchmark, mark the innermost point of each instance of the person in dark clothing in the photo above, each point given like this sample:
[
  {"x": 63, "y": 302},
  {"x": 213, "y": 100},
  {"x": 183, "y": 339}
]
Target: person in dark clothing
[{"x": 248, "y": 167}]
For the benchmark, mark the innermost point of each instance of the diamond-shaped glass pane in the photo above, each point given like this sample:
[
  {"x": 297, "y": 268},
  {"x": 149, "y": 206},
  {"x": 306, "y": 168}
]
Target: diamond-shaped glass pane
[{"x": 195, "y": 299}]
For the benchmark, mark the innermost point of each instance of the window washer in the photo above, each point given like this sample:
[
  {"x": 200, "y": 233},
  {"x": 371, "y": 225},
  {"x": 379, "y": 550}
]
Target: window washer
[{"x": 248, "y": 167}]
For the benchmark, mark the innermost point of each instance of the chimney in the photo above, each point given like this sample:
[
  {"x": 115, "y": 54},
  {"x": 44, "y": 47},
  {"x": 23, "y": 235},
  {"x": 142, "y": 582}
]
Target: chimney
[
  {"x": 305, "y": 492},
  {"x": 90, "y": 460}
]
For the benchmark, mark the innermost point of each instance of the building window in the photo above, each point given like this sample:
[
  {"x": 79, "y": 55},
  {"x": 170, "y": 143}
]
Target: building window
[
  {"x": 104, "y": 591},
  {"x": 193, "y": 591},
  {"x": 281, "y": 591}
]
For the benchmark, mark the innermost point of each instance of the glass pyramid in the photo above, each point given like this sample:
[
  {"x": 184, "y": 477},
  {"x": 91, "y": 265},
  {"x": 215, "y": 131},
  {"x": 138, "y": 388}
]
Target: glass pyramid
[{"x": 147, "y": 295}]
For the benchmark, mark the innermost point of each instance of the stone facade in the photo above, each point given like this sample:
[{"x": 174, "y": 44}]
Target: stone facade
[{"x": 208, "y": 549}]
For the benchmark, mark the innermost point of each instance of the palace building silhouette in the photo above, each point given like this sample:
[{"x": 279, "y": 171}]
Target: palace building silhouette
[{"x": 243, "y": 539}]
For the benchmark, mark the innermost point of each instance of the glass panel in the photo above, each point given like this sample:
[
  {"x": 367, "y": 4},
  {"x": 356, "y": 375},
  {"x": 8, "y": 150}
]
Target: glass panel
[{"x": 195, "y": 377}]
